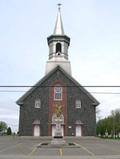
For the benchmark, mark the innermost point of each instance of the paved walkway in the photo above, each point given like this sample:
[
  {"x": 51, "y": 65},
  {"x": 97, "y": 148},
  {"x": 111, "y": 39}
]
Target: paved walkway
[
  {"x": 89, "y": 148},
  {"x": 57, "y": 157}
]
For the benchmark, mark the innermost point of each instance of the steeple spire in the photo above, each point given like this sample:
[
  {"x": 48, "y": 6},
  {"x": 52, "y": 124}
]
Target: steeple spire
[
  {"x": 59, "y": 26},
  {"x": 58, "y": 44}
]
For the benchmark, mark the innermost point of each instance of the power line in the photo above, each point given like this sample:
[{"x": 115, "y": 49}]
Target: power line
[
  {"x": 105, "y": 92},
  {"x": 21, "y": 91},
  {"x": 25, "y": 86},
  {"x": 10, "y": 91},
  {"x": 35, "y": 86}
]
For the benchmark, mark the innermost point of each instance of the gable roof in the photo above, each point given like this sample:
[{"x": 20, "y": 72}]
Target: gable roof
[{"x": 20, "y": 100}]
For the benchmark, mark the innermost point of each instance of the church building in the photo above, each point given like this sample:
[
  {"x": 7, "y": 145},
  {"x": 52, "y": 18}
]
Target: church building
[{"x": 57, "y": 88}]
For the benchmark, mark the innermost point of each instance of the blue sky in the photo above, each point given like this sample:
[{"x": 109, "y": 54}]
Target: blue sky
[{"x": 94, "y": 29}]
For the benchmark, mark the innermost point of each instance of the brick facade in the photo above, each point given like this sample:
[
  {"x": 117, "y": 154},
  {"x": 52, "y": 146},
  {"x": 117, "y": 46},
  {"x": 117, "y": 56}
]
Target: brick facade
[
  {"x": 53, "y": 103},
  {"x": 71, "y": 92}
]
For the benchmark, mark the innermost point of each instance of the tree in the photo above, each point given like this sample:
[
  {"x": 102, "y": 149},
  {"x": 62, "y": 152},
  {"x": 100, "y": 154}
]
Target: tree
[
  {"x": 3, "y": 127},
  {"x": 111, "y": 124},
  {"x": 116, "y": 120},
  {"x": 9, "y": 131}
]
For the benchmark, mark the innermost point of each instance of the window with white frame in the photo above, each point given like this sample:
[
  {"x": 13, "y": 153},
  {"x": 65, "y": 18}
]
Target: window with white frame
[
  {"x": 78, "y": 103},
  {"x": 57, "y": 93},
  {"x": 37, "y": 103}
]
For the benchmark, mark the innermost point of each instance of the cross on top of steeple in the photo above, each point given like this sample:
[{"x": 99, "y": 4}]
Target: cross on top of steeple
[{"x": 59, "y": 6}]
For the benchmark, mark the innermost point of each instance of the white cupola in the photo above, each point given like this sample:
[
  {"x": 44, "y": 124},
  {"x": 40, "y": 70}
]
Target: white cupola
[{"x": 58, "y": 44}]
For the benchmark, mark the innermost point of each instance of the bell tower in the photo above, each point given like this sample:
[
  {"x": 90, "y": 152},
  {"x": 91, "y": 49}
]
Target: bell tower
[{"x": 58, "y": 44}]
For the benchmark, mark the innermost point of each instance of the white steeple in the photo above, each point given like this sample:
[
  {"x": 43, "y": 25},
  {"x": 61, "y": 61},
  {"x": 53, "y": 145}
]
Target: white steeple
[
  {"x": 58, "y": 44},
  {"x": 59, "y": 25}
]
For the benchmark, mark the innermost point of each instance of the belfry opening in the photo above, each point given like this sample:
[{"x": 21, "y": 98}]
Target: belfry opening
[{"x": 58, "y": 48}]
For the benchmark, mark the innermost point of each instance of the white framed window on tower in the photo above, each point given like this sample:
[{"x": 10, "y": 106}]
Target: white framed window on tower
[
  {"x": 78, "y": 104},
  {"x": 57, "y": 93},
  {"x": 37, "y": 103}
]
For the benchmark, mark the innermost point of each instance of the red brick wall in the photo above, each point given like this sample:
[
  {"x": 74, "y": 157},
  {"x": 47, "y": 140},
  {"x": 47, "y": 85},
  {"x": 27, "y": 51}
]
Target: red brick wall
[{"x": 52, "y": 105}]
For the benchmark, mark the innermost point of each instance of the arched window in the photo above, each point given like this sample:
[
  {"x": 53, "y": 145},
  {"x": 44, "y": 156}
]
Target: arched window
[{"x": 58, "y": 48}]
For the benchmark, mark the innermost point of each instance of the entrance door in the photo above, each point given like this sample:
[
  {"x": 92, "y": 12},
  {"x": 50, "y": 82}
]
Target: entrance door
[
  {"x": 36, "y": 130},
  {"x": 53, "y": 130},
  {"x": 78, "y": 130}
]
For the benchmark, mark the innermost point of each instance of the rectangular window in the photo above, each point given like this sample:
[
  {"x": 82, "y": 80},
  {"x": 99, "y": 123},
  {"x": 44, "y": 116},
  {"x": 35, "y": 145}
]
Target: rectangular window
[
  {"x": 58, "y": 93},
  {"x": 78, "y": 104},
  {"x": 37, "y": 103}
]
